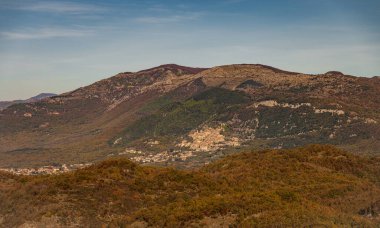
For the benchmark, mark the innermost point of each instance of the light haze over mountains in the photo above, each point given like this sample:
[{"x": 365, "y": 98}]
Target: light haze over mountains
[{"x": 61, "y": 45}]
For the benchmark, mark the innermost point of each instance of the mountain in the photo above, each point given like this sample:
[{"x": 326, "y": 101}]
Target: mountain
[
  {"x": 41, "y": 96},
  {"x": 187, "y": 117},
  {"x": 313, "y": 186}
]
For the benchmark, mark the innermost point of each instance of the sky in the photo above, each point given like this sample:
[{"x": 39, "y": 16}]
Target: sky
[{"x": 58, "y": 46}]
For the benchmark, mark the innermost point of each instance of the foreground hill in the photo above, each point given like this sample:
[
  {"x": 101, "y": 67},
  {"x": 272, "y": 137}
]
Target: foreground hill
[
  {"x": 175, "y": 115},
  {"x": 311, "y": 186}
]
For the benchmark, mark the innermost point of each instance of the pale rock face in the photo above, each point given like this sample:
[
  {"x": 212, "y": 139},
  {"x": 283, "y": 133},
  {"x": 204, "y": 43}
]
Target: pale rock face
[
  {"x": 332, "y": 111},
  {"x": 117, "y": 141},
  {"x": 55, "y": 113},
  {"x": 131, "y": 151},
  {"x": 273, "y": 103},
  {"x": 268, "y": 103},
  {"x": 370, "y": 121},
  {"x": 28, "y": 114},
  {"x": 152, "y": 142},
  {"x": 294, "y": 106},
  {"x": 117, "y": 102},
  {"x": 44, "y": 125}
]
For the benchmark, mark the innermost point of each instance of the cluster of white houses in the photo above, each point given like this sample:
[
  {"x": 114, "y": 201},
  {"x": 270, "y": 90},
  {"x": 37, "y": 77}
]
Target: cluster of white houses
[
  {"x": 45, "y": 170},
  {"x": 163, "y": 157}
]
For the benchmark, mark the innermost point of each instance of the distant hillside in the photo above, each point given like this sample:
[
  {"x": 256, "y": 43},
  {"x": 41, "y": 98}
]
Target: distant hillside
[
  {"x": 40, "y": 97},
  {"x": 314, "y": 186},
  {"x": 183, "y": 116},
  {"x": 5, "y": 104}
]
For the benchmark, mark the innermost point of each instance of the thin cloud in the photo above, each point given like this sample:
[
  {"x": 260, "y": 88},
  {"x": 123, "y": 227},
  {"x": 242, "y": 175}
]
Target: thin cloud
[
  {"x": 158, "y": 8},
  {"x": 44, "y": 33},
  {"x": 54, "y": 7},
  {"x": 168, "y": 19},
  {"x": 233, "y": 1}
]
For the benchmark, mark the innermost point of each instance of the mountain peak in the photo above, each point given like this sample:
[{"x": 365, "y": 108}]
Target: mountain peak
[
  {"x": 334, "y": 73},
  {"x": 254, "y": 67},
  {"x": 41, "y": 96},
  {"x": 175, "y": 67},
  {"x": 276, "y": 70}
]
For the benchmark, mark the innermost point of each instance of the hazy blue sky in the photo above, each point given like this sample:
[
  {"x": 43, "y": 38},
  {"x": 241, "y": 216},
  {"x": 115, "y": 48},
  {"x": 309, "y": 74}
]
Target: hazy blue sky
[{"x": 57, "y": 46}]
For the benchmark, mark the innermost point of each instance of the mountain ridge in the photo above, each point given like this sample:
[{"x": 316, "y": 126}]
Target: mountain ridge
[
  {"x": 285, "y": 109},
  {"x": 5, "y": 104}
]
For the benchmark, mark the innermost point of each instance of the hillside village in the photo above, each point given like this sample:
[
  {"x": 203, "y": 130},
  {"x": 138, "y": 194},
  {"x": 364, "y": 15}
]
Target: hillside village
[{"x": 45, "y": 170}]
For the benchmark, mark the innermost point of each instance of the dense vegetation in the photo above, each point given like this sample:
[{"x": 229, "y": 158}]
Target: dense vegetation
[
  {"x": 169, "y": 119},
  {"x": 177, "y": 118},
  {"x": 314, "y": 185}
]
